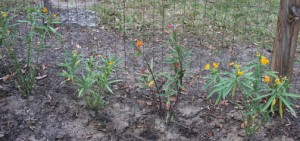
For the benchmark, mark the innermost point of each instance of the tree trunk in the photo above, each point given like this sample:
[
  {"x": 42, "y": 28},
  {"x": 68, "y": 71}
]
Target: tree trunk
[{"x": 286, "y": 38}]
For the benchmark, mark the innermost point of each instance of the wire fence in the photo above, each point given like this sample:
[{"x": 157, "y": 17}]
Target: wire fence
[{"x": 214, "y": 30}]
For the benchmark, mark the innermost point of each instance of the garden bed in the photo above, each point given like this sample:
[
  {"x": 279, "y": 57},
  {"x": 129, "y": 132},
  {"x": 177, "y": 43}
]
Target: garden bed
[{"x": 53, "y": 111}]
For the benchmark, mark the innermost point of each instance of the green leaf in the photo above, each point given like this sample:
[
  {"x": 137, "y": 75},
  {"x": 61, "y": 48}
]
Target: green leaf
[
  {"x": 247, "y": 76},
  {"x": 227, "y": 73},
  {"x": 291, "y": 95},
  {"x": 80, "y": 92},
  {"x": 218, "y": 88},
  {"x": 280, "y": 109},
  {"x": 63, "y": 74},
  {"x": 212, "y": 80},
  {"x": 172, "y": 93},
  {"x": 151, "y": 64},
  {"x": 269, "y": 102},
  {"x": 167, "y": 85},
  {"x": 108, "y": 88},
  {"x": 287, "y": 103},
  {"x": 218, "y": 99},
  {"x": 228, "y": 89},
  {"x": 24, "y": 21},
  {"x": 162, "y": 95},
  {"x": 223, "y": 82},
  {"x": 271, "y": 73},
  {"x": 262, "y": 96},
  {"x": 248, "y": 89},
  {"x": 249, "y": 67}
]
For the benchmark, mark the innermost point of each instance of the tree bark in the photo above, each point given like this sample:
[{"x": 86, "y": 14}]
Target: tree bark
[{"x": 286, "y": 38}]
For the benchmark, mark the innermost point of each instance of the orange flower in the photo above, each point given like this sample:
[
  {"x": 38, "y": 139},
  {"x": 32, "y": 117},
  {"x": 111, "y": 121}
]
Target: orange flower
[{"x": 139, "y": 43}]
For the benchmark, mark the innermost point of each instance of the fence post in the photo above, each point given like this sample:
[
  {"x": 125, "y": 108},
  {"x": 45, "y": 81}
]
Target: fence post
[{"x": 286, "y": 38}]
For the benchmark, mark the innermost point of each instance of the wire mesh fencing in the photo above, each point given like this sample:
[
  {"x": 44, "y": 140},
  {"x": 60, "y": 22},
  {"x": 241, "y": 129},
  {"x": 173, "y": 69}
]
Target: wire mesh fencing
[{"x": 213, "y": 30}]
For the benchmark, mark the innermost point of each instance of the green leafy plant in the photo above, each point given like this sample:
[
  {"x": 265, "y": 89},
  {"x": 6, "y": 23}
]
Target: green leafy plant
[
  {"x": 71, "y": 65},
  {"x": 91, "y": 77},
  {"x": 253, "y": 84},
  {"x": 26, "y": 75},
  {"x": 166, "y": 87},
  {"x": 278, "y": 95}
]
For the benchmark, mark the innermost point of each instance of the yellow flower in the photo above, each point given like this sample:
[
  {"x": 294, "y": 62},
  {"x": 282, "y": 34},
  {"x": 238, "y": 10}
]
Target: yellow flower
[
  {"x": 110, "y": 63},
  {"x": 3, "y": 14},
  {"x": 266, "y": 79},
  {"x": 239, "y": 73},
  {"x": 151, "y": 84},
  {"x": 264, "y": 60},
  {"x": 207, "y": 67},
  {"x": 74, "y": 52},
  {"x": 139, "y": 43},
  {"x": 278, "y": 82},
  {"x": 45, "y": 10},
  {"x": 215, "y": 65}
]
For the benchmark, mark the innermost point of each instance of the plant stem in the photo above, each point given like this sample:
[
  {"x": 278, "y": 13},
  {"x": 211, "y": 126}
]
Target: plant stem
[
  {"x": 233, "y": 89},
  {"x": 156, "y": 86}
]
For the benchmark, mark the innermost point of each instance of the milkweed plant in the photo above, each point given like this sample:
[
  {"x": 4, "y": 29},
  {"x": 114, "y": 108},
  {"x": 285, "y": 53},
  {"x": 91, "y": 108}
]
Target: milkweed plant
[
  {"x": 37, "y": 31},
  {"x": 91, "y": 76},
  {"x": 166, "y": 87},
  {"x": 262, "y": 90}
]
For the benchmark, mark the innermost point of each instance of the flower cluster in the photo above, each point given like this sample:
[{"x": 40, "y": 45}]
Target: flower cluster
[
  {"x": 45, "y": 10},
  {"x": 264, "y": 60},
  {"x": 215, "y": 66},
  {"x": 214, "y": 69},
  {"x": 267, "y": 79},
  {"x": 239, "y": 72}
]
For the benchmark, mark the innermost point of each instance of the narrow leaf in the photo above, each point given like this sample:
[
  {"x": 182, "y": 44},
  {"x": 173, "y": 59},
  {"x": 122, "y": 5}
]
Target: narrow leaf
[{"x": 269, "y": 102}]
